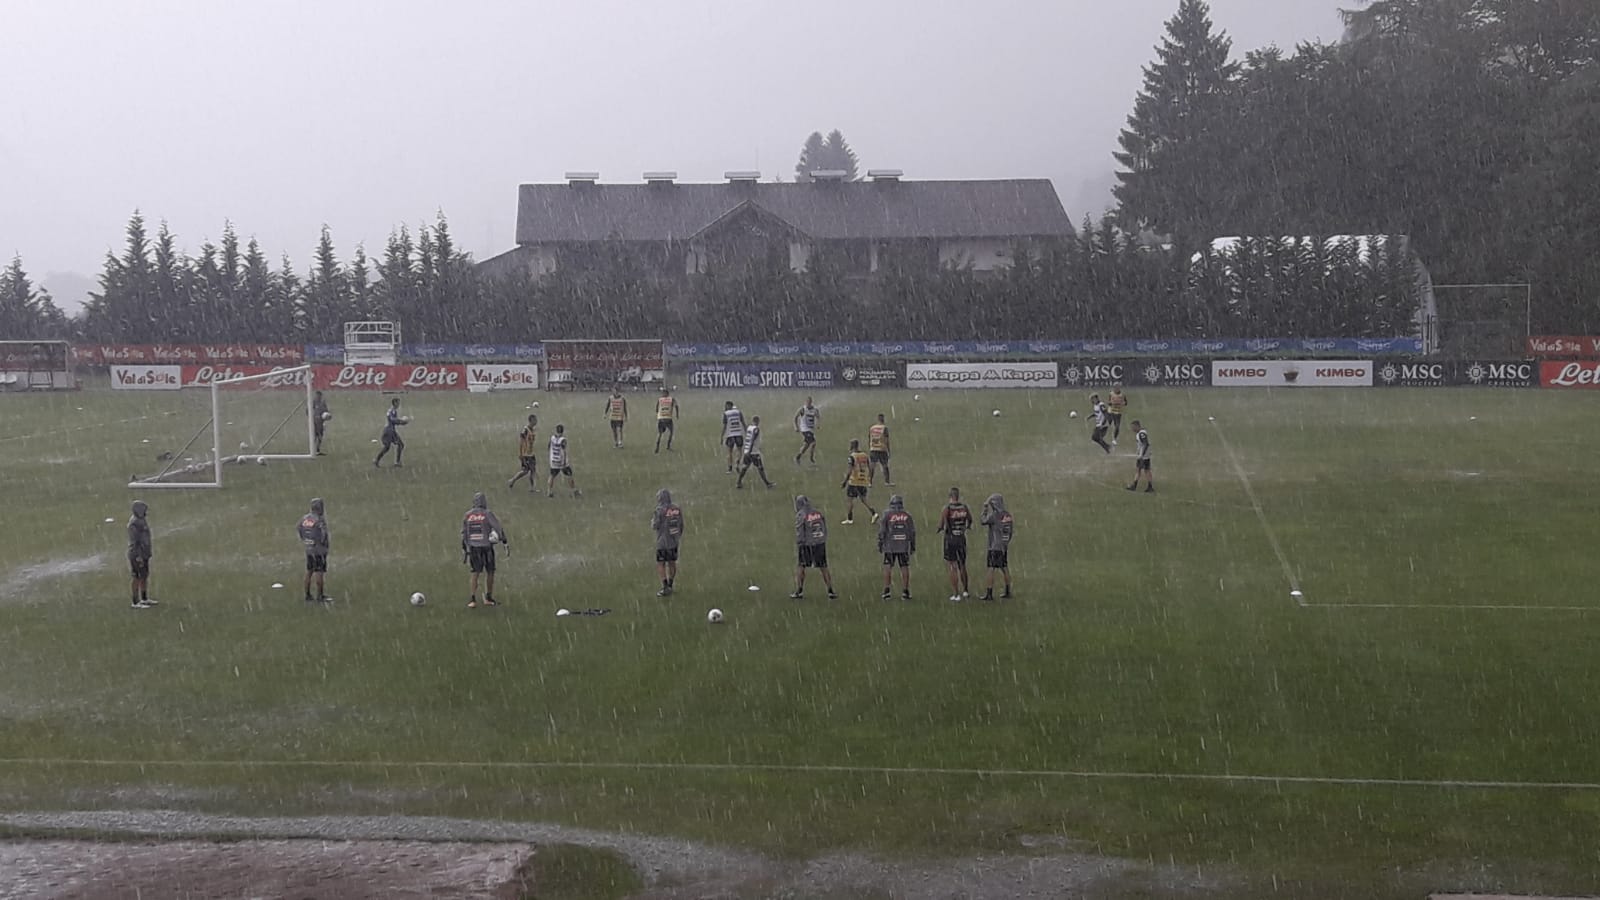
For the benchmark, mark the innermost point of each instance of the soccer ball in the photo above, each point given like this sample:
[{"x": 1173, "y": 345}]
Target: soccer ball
[
  {"x": 243, "y": 445},
  {"x": 534, "y": 405},
  {"x": 916, "y": 396},
  {"x": 714, "y": 617},
  {"x": 405, "y": 420},
  {"x": 1073, "y": 414},
  {"x": 418, "y": 599},
  {"x": 327, "y": 416},
  {"x": 995, "y": 413},
  {"x": 261, "y": 460}
]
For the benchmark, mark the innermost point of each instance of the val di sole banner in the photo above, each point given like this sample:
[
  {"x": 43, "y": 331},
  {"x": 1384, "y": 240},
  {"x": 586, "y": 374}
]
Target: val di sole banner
[{"x": 187, "y": 354}]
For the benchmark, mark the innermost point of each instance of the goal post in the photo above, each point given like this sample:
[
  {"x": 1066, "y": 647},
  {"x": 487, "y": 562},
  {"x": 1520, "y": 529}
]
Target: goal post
[
  {"x": 603, "y": 363},
  {"x": 270, "y": 410}
]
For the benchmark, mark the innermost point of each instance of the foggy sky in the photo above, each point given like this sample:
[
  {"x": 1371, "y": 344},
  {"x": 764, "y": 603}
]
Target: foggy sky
[{"x": 363, "y": 114}]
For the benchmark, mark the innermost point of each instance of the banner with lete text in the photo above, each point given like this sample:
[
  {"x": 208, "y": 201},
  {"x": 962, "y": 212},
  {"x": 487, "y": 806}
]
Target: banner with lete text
[
  {"x": 1291, "y": 373},
  {"x": 203, "y": 376},
  {"x": 432, "y": 377},
  {"x": 1582, "y": 375},
  {"x": 982, "y": 375}
]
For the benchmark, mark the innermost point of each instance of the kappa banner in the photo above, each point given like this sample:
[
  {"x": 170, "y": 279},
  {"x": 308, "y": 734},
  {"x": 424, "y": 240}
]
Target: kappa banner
[
  {"x": 1582, "y": 375},
  {"x": 1291, "y": 373},
  {"x": 757, "y": 375},
  {"x": 147, "y": 378},
  {"x": 982, "y": 375},
  {"x": 1546, "y": 346},
  {"x": 434, "y": 377},
  {"x": 510, "y": 377}
]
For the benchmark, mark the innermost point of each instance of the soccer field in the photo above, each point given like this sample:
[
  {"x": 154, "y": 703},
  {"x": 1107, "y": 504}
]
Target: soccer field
[{"x": 1430, "y": 704}]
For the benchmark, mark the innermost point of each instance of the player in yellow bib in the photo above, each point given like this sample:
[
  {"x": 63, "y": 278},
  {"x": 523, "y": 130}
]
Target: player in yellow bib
[
  {"x": 878, "y": 449},
  {"x": 617, "y": 414},
  {"x": 666, "y": 415},
  {"x": 1116, "y": 405},
  {"x": 857, "y": 479},
  {"x": 528, "y": 455}
]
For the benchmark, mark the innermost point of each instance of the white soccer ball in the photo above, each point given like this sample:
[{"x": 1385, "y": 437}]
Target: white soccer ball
[
  {"x": 916, "y": 396},
  {"x": 243, "y": 445},
  {"x": 563, "y": 612},
  {"x": 1073, "y": 414},
  {"x": 995, "y": 413},
  {"x": 714, "y": 617},
  {"x": 261, "y": 460},
  {"x": 405, "y": 420},
  {"x": 418, "y": 599},
  {"x": 327, "y": 416}
]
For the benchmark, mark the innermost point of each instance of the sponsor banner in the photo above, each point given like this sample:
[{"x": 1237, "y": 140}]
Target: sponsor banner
[
  {"x": 1169, "y": 372},
  {"x": 1545, "y": 346},
  {"x": 982, "y": 375},
  {"x": 757, "y": 375},
  {"x": 325, "y": 353},
  {"x": 871, "y": 374},
  {"x": 334, "y": 353},
  {"x": 430, "y": 377},
  {"x": 1076, "y": 373},
  {"x": 1517, "y": 373},
  {"x": 603, "y": 355},
  {"x": 1291, "y": 373},
  {"x": 949, "y": 350},
  {"x": 180, "y": 354},
  {"x": 502, "y": 377},
  {"x": 1412, "y": 373},
  {"x": 147, "y": 378},
  {"x": 1570, "y": 374},
  {"x": 203, "y": 375}
]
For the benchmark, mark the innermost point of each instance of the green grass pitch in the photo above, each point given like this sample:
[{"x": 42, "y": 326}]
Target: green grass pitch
[{"x": 1152, "y": 635}]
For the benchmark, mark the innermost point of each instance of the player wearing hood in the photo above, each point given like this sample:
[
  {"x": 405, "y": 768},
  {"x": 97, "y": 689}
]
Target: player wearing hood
[
  {"x": 897, "y": 541},
  {"x": 667, "y": 522},
  {"x": 811, "y": 540},
  {"x": 998, "y": 518},
  {"x": 139, "y": 554},
  {"x": 480, "y": 531},
  {"x": 313, "y": 531}
]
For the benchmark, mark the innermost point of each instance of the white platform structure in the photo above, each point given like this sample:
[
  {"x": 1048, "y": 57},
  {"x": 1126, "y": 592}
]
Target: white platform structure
[{"x": 371, "y": 343}]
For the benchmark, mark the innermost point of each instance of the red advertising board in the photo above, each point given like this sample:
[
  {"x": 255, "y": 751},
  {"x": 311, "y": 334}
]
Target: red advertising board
[
  {"x": 203, "y": 375},
  {"x": 1582, "y": 374},
  {"x": 182, "y": 354},
  {"x": 432, "y": 377},
  {"x": 1547, "y": 346}
]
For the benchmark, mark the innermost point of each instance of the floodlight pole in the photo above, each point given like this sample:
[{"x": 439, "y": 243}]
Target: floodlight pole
[{"x": 311, "y": 418}]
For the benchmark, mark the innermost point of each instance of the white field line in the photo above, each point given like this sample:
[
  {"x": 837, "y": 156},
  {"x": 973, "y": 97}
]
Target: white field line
[
  {"x": 41, "y": 434},
  {"x": 1450, "y": 783},
  {"x": 1514, "y": 607},
  {"x": 1272, "y": 537}
]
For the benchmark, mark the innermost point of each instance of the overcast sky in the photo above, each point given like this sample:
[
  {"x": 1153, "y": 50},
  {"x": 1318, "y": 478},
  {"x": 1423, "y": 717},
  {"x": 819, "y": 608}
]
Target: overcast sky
[{"x": 363, "y": 114}]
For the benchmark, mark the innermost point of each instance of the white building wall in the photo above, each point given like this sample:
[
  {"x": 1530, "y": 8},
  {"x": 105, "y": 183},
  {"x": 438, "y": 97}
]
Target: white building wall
[{"x": 982, "y": 255}]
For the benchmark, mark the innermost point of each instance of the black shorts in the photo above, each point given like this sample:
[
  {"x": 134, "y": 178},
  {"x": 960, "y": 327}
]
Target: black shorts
[
  {"x": 903, "y": 560},
  {"x": 1116, "y": 418},
  {"x": 616, "y": 423},
  {"x": 481, "y": 559},
  {"x": 316, "y": 427},
  {"x": 1142, "y": 465},
  {"x": 392, "y": 438},
  {"x": 1100, "y": 432},
  {"x": 735, "y": 442},
  {"x": 529, "y": 463},
  {"x": 670, "y": 555},
  {"x": 813, "y": 557},
  {"x": 878, "y": 456},
  {"x": 139, "y": 567},
  {"x": 809, "y": 437},
  {"x": 998, "y": 559},
  {"x": 663, "y": 426},
  {"x": 955, "y": 552},
  {"x": 564, "y": 470},
  {"x": 316, "y": 562},
  {"x": 753, "y": 459},
  {"x": 855, "y": 490}
]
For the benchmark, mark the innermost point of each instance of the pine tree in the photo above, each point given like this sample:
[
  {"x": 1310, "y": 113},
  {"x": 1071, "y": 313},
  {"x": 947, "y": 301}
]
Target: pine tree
[
  {"x": 19, "y": 303},
  {"x": 1172, "y": 174},
  {"x": 839, "y": 156},
  {"x": 812, "y": 157},
  {"x": 326, "y": 299}
]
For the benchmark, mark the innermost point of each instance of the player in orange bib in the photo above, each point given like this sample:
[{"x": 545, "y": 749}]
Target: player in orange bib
[
  {"x": 878, "y": 449},
  {"x": 857, "y": 479},
  {"x": 616, "y": 413},
  {"x": 666, "y": 414}
]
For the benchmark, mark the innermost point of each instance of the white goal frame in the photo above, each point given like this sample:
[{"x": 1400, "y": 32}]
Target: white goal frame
[{"x": 218, "y": 460}]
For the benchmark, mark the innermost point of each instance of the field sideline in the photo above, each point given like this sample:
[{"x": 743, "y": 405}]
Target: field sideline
[{"x": 1430, "y": 704}]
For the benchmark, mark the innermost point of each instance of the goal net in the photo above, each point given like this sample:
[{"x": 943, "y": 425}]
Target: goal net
[
  {"x": 600, "y": 364},
  {"x": 251, "y": 420}
]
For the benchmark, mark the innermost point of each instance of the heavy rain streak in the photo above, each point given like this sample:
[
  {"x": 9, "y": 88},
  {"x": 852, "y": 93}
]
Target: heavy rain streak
[{"x": 846, "y": 450}]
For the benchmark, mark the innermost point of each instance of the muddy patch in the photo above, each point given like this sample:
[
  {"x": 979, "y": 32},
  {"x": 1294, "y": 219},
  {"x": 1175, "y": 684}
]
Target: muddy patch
[{"x": 19, "y": 581}]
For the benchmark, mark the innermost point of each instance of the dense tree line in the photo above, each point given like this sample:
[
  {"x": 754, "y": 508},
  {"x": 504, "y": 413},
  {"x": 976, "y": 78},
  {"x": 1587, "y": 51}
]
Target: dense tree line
[
  {"x": 1470, "y": 125},
  {"x": 1096, "y": 283}
]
